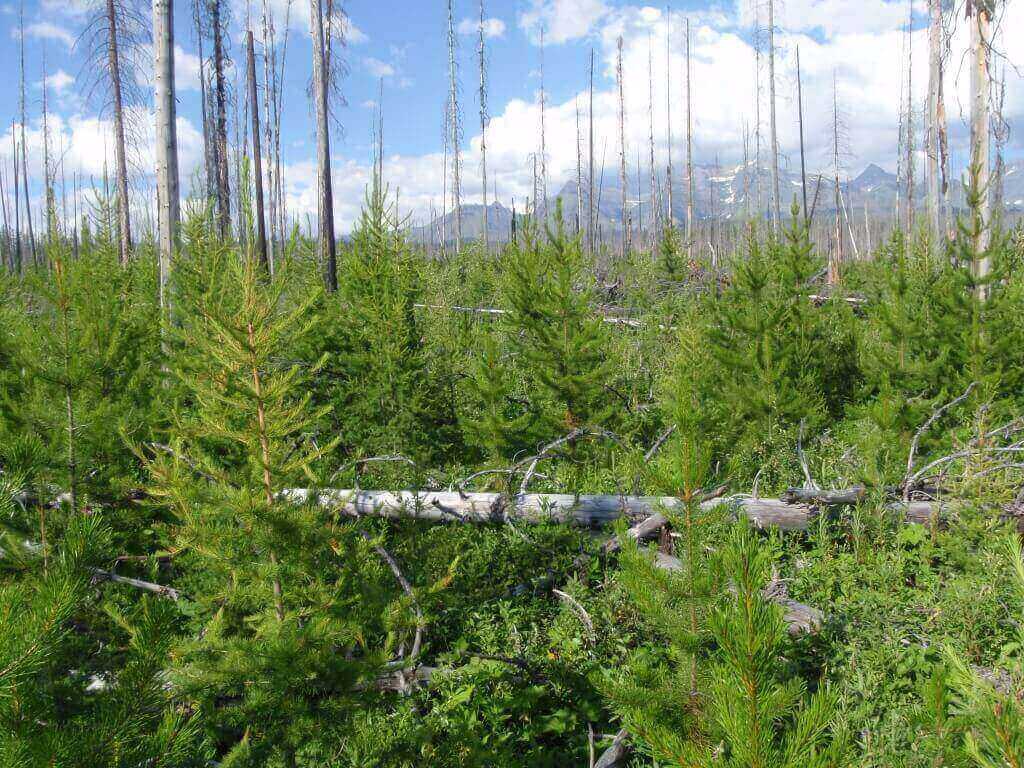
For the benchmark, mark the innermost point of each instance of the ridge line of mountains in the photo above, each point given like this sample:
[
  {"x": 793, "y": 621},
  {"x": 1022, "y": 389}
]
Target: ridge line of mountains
[{"x": 722, "y": 194}]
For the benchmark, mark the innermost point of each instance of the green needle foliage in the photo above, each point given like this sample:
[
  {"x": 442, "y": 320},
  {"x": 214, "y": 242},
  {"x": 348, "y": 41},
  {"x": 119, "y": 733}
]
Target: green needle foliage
[
  {"x": 552, "y": 328},
  {"x": 275, "y": 654},
  {"x": 57, "y": 706},
  {"x": 991, "y": 707}
]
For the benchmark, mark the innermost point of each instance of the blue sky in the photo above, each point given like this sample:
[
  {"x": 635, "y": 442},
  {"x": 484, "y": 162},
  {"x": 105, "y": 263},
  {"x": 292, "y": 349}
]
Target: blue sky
[{"x": 859, "y": 42}]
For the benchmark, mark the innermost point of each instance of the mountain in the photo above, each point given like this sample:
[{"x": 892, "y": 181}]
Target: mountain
[{"x": 723, "y": 194}]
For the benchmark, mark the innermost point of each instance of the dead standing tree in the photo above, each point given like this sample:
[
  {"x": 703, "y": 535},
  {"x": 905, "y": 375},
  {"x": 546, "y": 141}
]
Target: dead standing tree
[
  {"x": 24, "y": 144},
  {"x": 166, "y": 140},
  {"x": 623, "y": 181},
  {"x": 979, "y": 16},
  {"x": 218, "y": 21},
  {"x": 482, "y": 55},
  {"x": 257, "y": 155},
  {"x": 936, "y": 129},
  {"x": 112, "y": 41},
  {"x": 776, "y": 203},
  {"x": 328, "y": 254},
  {"x": 454, "y": 124}
]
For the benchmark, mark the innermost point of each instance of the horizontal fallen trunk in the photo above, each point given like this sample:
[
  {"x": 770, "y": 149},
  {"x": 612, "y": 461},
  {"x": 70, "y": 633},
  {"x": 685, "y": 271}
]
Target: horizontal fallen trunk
[
  {"x": 586, "y": 510},
  {"x": 799, "y": 618},
  {"x": 98, "y": 574}
]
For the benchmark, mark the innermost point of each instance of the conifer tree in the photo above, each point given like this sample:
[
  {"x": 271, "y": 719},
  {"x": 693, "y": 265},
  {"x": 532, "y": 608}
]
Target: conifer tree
[
  {"x": 782, "y": 360},
  {"x": 64, "y": 698},
  {"x": 992, "y": 710},
  {"x": 503, "y": 423},
  {"x": 390, "y": 391},
  {"x": 552, "y": 327},
  {"x": 275, "y": 654}
]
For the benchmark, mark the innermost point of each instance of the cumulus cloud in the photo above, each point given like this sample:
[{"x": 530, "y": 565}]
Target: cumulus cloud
[
  {"x": 492, "y": 27},
  {"x": 867, "y": 62},
  {"x": 186, "y": 68},
  {"x": 378, "y": 68},
  {"x": 58, "y": 82},
  {"x": 833, "y": 17},
  {"x": 562, "y": 20},
  {"x": 46, "y": 30}
]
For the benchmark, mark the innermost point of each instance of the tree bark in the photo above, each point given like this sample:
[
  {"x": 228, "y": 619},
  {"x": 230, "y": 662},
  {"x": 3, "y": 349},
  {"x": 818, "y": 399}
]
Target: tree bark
[
  {"x": 800, "y": 108},
  {"x": 482, "y": 51},
  {"x": 980, "y": 20},
  {"x": 261, "y": 230},
  {"x": 591, "y": 234},
  {"x": 583, "y": 509},
  {"x": 454, "y": 129},
  {"x": 328, "y": 253},
  {"x": 689, "y": 149},
  {"x": 622, "y": 151},
  {"x": 123, "y": 202},
  {"x": 221, "y": 127},
  {"x": 166, "y": 141},
  {"x": 24, "y": 154},
  {"x": 776, "y": 203}
]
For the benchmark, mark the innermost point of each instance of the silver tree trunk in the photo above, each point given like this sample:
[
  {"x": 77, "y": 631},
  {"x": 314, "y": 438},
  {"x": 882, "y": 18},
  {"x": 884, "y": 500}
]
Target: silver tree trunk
[{"x": 166, "y": 139}]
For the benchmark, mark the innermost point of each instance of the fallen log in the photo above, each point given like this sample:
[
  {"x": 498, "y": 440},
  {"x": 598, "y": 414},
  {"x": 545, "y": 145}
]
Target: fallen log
[
  {"x": 98, "y": 574},
  {"x": 587, "y": 510},
  {"x": 799, "y": 618},
  {"x": 617, "y": 753}
]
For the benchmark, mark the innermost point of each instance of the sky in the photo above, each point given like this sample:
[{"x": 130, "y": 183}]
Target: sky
[{"x": 397, "y": 63}]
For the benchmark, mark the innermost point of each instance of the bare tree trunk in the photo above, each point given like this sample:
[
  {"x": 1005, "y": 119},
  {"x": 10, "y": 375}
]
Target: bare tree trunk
[
  {"x": 269, "y": 98},
  {"x": 17, "y": 201},
  {"x": 483, "y": 129},
  {"x": 776, "y": 203},
  {"x": 622, "y": 151},
  {"x": 757, "y": 113},
  {"x": 50, "y": 211},
  {"x": 221, "y": 118},
  {"x": 24, "y": 154},
  {"x": 800, "y": 107},
  {"x": 650, "y": 123},
  {"x": 909, "y": 143},
  {"x": 328, "y": 253},
  {"x": 670, "y": 219},
  {"x": 167, "y": 140},
  {"x": 8, "y": 254},
  {"x": 590, "y": 166},
  {"x": 209, "y": 154},
  {"x": 579, "y": 170},
  {"x": 689, "y": 148},
  {"x": 934, "y": 118},
  {"x": 980, "y": 22},
  {"x": 837, "y": 255},
  {"x": 120, "y": 158},
  {"x": 543, "y": 208},
  {"x": 257, "y": 159},
  {"x": 455, "y": 127}
]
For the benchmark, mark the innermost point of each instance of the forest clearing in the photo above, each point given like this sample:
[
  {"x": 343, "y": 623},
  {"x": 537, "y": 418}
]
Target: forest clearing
[{"x": 692, "y": 467}]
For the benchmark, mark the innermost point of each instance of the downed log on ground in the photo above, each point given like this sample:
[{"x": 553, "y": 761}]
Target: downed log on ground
[{"x": 587, "y": 510}]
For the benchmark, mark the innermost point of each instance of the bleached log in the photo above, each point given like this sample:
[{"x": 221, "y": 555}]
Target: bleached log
[
  {"x": 617, "y": 753},
  {"x": 147, "y": 586},
  {"x": 587, "y": 510},
  {"x": 799, "y": 618}
]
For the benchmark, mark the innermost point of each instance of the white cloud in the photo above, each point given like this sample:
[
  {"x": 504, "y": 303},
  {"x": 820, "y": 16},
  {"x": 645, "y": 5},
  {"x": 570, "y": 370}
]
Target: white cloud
[
  {"x": 296, "y": 12},
  {"x": 58, "y": 82},
  {"x": 562, "y": 20},
  {"x": 867, "y": 62},
  {"x": 186, "y": 69},
  {"x": 833, "y": 17},
  {"x": 492, "y": 27},
  {"x": 46, "y": 30},
  {"x": 378, "y": 68}
]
